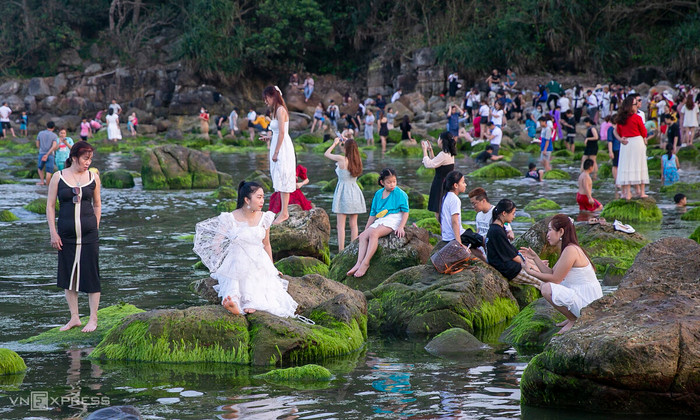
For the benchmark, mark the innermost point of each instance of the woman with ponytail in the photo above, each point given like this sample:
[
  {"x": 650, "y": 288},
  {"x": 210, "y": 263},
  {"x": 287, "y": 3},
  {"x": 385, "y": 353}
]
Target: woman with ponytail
[
  {"x": 235, "y": 247},
  {"x": 450, "y": 209},
  {"x": 571, "y": 284},
  {"x": 282, "y": 158}
]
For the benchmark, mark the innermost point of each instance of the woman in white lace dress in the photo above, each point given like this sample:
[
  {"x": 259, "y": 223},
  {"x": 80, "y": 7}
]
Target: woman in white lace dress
[
  {"x": 114, "y": 133},
  {"x": 283, "y": 161},
  {"x": 235, "y": 247}
]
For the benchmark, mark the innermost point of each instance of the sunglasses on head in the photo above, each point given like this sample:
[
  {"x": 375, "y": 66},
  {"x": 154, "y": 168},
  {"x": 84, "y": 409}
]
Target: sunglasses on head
[{"x": 77, "y": 194}]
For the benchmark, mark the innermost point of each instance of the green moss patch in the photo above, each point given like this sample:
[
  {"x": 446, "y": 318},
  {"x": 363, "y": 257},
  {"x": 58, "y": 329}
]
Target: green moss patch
[
  {"x": 427, "y": 173},
  {"x": 7, "y": 216},
  {"x": 304, "y": 374},
  {"x": 107, "y": 318},
  {"x": 533, "y": 327},
  {"x": 431, "y": 225},
  {"x": 420, "y": 214},
  {"x": 369, "y": 180},
  {"x": 542, "y": 204},
  {"x": 688, "y": 153},
  {"x": 226, "y": 206},
  {"x": 225, "y": 193},
  {"x": 683, "y": 187},
  {"x": 605, "y": 171},
  {"x": 557, "y": 174},
  {"x": 563, "y": 153},
  {"x": 321, "y": 148},
  {"x": 496, "y": 170},
  {"x": 693, "y": 214},
  {"x": 38, "y": 206},
  {"x": 296, "y": 266},
  {"x": 10, "y": 362},
  {"x": 636, "y": 210},
  {"x": 696, "y": 235},
  {"x": 406, "y": 150},
  {"x": 309, "y": 139},
  {"x": 119, "y": 178}
]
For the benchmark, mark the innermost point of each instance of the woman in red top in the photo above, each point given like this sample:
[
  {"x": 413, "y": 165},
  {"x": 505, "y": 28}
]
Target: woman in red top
[
  {"x": 297, "y": 197},
  {"x": 204, "y": 122},
  {"x": 632, "y": 168}
]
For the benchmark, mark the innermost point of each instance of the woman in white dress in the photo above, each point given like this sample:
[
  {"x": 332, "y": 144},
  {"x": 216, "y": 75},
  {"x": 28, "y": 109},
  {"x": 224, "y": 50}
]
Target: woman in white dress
[
  {"x": 690, "y": 113},
  {"x": 571, "y": 284},
  {"x": 235, "y": 247},
  {"x": 283, "y": 161},
  {"x": 113, "y": 131}
]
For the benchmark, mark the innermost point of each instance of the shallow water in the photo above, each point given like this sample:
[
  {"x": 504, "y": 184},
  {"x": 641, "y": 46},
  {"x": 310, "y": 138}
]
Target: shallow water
[{"x": 144, "y": 262}]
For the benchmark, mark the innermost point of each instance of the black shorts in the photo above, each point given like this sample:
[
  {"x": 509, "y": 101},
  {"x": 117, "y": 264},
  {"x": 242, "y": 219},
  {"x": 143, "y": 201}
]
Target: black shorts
[
  {"x": 616, "y": 158},
  {"x": 591, "y": 148},
  {"x": 570, "y": 138},
  {"x": 6, "y": 125}
]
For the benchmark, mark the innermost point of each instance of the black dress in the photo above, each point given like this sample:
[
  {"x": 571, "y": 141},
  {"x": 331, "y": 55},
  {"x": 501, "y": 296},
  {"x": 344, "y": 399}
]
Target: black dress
[
  {"x": 591, "y": 145},
  {"x": 78, "y": 267},
  {"x": 436, "y": 189},
  {"x": 384, "y": 129}
]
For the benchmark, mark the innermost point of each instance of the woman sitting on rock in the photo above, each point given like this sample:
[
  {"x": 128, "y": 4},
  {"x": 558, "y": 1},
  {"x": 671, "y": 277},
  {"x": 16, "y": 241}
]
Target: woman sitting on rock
[
  {"x": 571, "y": 284},
  {"x": 443, "y": 163},
  {"x": 236, "y": 248}
]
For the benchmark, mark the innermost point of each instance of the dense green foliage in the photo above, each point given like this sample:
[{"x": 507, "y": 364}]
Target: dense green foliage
[{"x": 232, "y": 38}]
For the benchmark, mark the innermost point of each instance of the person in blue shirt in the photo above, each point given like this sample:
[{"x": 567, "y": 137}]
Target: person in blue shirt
[
  {"x": 546, "y": 146},
  {"x": 389, "y": 213},
  {"x": 530, "y": 126}
]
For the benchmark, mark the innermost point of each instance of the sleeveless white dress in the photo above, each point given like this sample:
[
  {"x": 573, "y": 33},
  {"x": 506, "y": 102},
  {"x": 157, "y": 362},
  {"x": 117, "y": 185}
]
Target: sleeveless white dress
[
  {"x": 113, "y": 131},
  {"x": 283, "y": 172},
  {"x": 246, "y": 273},
  {"x": 579, "y": 288}
]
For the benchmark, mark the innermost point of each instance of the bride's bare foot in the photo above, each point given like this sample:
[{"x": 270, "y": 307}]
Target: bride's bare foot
[
  {"x": 230, "y": 305},
  {"x": 561, "y": 324},
  {"x": 249, "y": 310},
  {"x": 281, "y": 218},
  {"x": 567, "y": 327},
  {"x": 91, "y": 326},
  {"x": 362, "y": 270},
  {"x": 74, "y": 322}
]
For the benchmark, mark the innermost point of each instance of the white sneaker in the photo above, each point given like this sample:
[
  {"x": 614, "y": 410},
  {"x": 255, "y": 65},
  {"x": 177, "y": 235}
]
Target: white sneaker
[{"x": 475, "y": 142}]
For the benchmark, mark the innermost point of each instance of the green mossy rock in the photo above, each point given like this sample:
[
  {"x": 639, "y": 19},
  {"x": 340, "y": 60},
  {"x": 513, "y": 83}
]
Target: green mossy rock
[
  {"x": 321, "y": 148},
  {"x": 261, "y": 178},
  {"x": 225, "y": 193},
  {"x": 11, "y": 363},
  {"x": 696, "y": 235},
  {"x": 393, "y": 254},
  {"x": 605, "y": 171},
  {"x": 419, "y": 300},
  {"x": 416, "y": 200},
  {"x": 305, "y": 233},
  {"x": 329, "y": 186},
  {"x": 8, "y": 216},
  {"x": 415, "y": 215},
  {"x": 431, "y": 225},
  {"x": 634, "y": 351},
  {"x": 4, "y": 180},
  {"x": 533, "y": 327},
  {"x": 237, "y": 142},
  {"x": 683, "y": 187},
  {"x": 496, "y": 170},
  {"x": 688, "y": 153},
  {"x": 564, "y": 153},
  {"x": 226, "y": 206},
  {"x": 427, "y": 173},
  {"x": 557, "y": 174},
  {"x": 176, "y": 167},
  {"x": 691, "y": 215},
  {"x": 300, "y": 266},
  {"x": 456, "y": 343},
  {"x": 306, "y": 373},
  {"x": 309, "y": 139},
  {"x": 636, "y": 210},
  {"x": 369, "y": 180},
  {"x": 119, "y": 178},
  {"x": 541, "y": 204},
  {"x": 107, "y": 318},
  {"x": 38, "y": 206},
  {"x": 406, "y": 149}
]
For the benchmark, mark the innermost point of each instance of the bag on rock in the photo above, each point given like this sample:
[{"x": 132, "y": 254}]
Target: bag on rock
[{"x": 451, "y": 259}]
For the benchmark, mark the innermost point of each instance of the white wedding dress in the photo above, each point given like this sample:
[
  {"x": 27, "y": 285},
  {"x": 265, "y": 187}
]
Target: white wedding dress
[
  {"x": 283, "y": 172},
  {"x": 113, "y": 130},
  {"x": 236, "y": 258}
]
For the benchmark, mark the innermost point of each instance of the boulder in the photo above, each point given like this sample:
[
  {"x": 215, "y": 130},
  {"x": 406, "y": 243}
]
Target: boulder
[
  {"x": 496, "y": 170},
  {"x": 93, "y": 68},
  {"x": 10, "y": 87},
  {"x": 634, "y": 351},
  {"x": 305, "y": 233},
  {"x": 118, "y": 412},
  {"x": 413, "y": 101},
  {"x": 406, "y": 148},
  {"x": 177, "y": 167},
  {"x": 119, "y": 178},
  {"x": 692, "y": 214},
  {"x": 300, "y": 266},
  {"x": 393, "y": 254},
  {"x": 304, "y": 374},
  {"x": 7, "y": 216},
  {"x": 456, "y": 343},
  {"x": 260, "y": 177},
  {"x": 38, "y": 88},
  {"x": 533, "y": 327},
  {"x": 541, "y": 204},
  {"x": 694, "y": 236},
  {"x": 10, "y": 362},
  {"x": 59, "y": 85},
  {"x": 419, "y": 300},
  {"x": 557, "y": 174},
  {"x": 642, "y": 210},
  {"x": 212, "y": 334}
]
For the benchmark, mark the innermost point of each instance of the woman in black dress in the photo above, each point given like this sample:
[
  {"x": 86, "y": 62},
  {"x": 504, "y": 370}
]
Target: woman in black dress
[
  {"x": 383, "y": 123},
  {"x": 405, "y": 127},
  {"x": 77, "y": 238},
  {"x": 443, "y": 163}
]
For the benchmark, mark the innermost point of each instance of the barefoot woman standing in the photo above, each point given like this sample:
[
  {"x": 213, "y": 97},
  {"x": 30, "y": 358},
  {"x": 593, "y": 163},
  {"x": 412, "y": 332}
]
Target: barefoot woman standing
[{"x": 77, "y": 238}]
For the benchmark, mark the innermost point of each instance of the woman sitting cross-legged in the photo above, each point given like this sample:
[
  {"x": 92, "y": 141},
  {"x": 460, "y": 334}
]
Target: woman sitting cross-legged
[{"x": 571, "y": 284}]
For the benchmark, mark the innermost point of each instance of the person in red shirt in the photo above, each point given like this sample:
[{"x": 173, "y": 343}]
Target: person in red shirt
[{"x": 632, "y": 168}]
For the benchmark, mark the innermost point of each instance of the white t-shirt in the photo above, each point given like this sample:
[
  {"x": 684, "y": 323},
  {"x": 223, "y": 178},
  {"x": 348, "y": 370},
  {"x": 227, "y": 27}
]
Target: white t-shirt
[
  {"x": 497, "y": 136},
  {"x": 690, "y": 116},
  {"x": 483, "y": 220},
  {"x": 642, "y": 114},
  {"x": 564, "y": 104},
  {"x": 592, "y": 101},
  {"x": 497, "y": 117},
  {"x": 5, "y": 112},
  {"x": 117, "y": 109},
  {"x": 395, "y": 97},
  {"x": 661, "y": 106},
  {"x": 451, "y": 205},
  {"x": 484, "y": 112}
]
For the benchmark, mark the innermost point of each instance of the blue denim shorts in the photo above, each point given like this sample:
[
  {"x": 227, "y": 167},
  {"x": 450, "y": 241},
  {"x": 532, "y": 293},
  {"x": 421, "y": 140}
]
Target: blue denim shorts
[{"x": 48, "y": 165}]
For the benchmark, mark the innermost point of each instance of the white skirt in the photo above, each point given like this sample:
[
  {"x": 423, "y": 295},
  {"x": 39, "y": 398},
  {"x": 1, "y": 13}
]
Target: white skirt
[
  {"x": 392, "y": 221},
  {"x": 578, "y": 290},
  {"x": 632, "y": 168}
]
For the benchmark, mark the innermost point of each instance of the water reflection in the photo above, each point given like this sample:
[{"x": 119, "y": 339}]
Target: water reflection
[{"x": 393, "y": 380}]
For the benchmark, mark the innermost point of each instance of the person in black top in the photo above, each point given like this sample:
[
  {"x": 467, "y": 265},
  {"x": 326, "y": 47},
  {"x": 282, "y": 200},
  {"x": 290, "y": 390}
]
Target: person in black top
[
  {"x": 405, "y": 127},
  {"x": 673, "y": 132},
  {"x": 500, "y": 253},
  {"x": 487, "y": 155},
  {"x": 569, "y": 124}
]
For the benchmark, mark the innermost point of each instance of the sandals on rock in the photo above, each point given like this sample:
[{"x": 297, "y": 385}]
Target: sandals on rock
[
  {"x": 305, "y": 320},
  {"x": 597, "y": 221},
  {"x": 618, "y": 225}
]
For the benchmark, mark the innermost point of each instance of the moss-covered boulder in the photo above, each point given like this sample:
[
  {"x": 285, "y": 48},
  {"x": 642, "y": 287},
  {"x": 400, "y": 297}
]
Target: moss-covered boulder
[
  {"x": 419, "y": 300},
  {"x": 305, "y": 233},
  {"x": 10, "y": 362},
  {"x": 496, "y": 170},
  {"x": 300, "y": 374},
  {"x": 533, "y": 327},
  {"x": 688, "y": 153},
  {"x": 541, "y": 204},
  {"x": 406, "y": 149},
  {"x": 692, "y": 214},
  {"x": 176, "y": 167},
  {"x": 38, "y": 206},
  {"x": 329, "y": 186},
  {"x": 226, "y": 206},
  {"x": 415, "y": 215},
  {"x": 119, "y": 178},
  {"x": 456, "y": 343},
  {"x": 106, "y": 319},
  {"x": 225, "y": 193},
  {"x": 642, "y": 210},
  {"x": 8, "y": 216},
  {"x": 557, "y": 174},
  {"x": 300, "y": 266},
  {"x": 696, "y": 235},
  {"x": 262, "y": 178},
  {"x": 431, "y": 225},
  {"x": 426, "y": 173},
  {"x": 634, "y": 351},
  {"x": 605, "y": 171},
  {"x": 212, "y": 334},
  {"x": 684, "y": 187},
  {"x": 417, "y": 200},
  {"x": 563, "y": 153},
  {"x": 308, "y": 138},
  {"x": 369, "y": 180},
  {"x": 393, "y": 254},
  {"x": 321, "y": 148}
]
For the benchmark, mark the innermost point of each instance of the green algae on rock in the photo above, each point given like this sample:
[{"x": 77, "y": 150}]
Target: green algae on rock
[
  {"x": 496, "y": 170},
  {"x": 225, "y": 193},
  {"x": 296, "y": 266},
  {"x": 106, "y": 319},
  {"x": 8, "y": 216},
  {"x": 556, "y": 174},
  {"x": 260, "y": 177},
  {"x": 541, "y": 204},
  {"x": 38, "y": 206},
  {"x": 455, "y": 343},
  {"x": 306, "y": 373},
  {"x": 369, "y": 180},
  {"x": 305, "y": 233},
  {"x": 424, "y": 172},
  {"x": 419, "y": 214},
  {"x": 533, "y": 327},
  {"x": 307, "y": 138},
  {"x": 683, "y": 187},
  {"x": 406, "y": 149},
  {"x": 226, "y": 206},
  {"x": 636, "y": 210},
  {"x": 431, "y": 225},
  {"x": 177, "y": 167},
  {"x": 119, "y": 178},
  {"x": 696, "y": 235},
  {"x": 10, "y": 362},
  {"x": 692, "y": 214}
]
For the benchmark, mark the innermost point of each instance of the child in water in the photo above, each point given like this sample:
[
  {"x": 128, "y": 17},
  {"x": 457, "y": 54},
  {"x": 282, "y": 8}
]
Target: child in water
[{"x": 389, "y": 213}]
